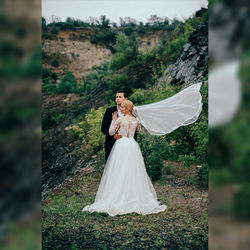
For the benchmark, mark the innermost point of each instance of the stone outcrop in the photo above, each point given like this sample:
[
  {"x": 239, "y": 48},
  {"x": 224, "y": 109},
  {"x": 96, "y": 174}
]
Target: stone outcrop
[{"x": 192, "y": 65}]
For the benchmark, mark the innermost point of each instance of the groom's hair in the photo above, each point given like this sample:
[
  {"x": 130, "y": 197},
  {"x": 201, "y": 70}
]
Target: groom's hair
[{"x": 124, "y": 93}]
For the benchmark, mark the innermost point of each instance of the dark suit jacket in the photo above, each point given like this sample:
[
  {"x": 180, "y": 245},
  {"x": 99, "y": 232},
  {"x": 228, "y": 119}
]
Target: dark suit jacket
[{"x": 107, "y": 118}]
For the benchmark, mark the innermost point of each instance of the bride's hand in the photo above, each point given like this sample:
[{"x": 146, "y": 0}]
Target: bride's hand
[{"x": 114, "y": 116}]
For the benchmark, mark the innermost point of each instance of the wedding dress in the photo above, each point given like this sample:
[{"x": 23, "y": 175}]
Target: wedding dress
[{"x": 125, "y": 186}]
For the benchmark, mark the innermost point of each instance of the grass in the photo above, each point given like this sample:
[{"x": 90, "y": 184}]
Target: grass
[{"x": 183, "y": 225}]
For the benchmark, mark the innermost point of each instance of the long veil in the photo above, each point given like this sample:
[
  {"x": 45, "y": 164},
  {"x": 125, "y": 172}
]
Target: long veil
[{"x": 163, "y": 117}]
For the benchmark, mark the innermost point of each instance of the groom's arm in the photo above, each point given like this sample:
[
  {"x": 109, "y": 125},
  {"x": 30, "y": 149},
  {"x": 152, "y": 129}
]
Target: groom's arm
[
  {"x": 106, "y": 121},
  {"x": 135, "y": 135}
]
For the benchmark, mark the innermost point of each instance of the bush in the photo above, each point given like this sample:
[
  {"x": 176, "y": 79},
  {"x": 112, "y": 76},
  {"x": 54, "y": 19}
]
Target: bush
[
  {"x": 55, "y": 30},
  {"x": 55, "y": 63},
  {"x": 94, "y": 78},
  {"x": 89, "y": 131},
  {"x": 67, "y": 84},
  {"x": 48, "y": 73},
  {"x": 47, "y": 86},
  {"x": 51, "y": 119},
  {"x": 154, "y": 166},
  {"x": 151, "y": 149},
  {"x": 107, "y": 37},
  {"x": 126, "y": 51}
]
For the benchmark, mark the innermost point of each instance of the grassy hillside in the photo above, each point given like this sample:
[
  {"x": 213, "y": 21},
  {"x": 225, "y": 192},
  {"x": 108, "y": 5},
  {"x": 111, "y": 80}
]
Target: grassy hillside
[{"x": 183, "y": 225}]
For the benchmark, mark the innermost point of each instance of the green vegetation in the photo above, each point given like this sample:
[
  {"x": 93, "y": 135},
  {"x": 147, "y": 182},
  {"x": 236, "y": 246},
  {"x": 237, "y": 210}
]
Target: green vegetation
[
  {"x": 126, "y": 51},
  {"x": 51, "y": 119},
  {"x": 69, "y": 84},
  {"x": 176, "y": 163},
  {"x": 88, "y": 130},
  {"x": 183, "y": 225},
  {"x": 187, "y": 144}
]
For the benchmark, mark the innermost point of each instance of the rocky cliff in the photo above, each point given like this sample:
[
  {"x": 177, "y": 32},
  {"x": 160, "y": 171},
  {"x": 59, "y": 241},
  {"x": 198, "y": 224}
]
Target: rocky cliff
[
  {"x": 192, "y": 65},
  {"x": 72, "y": 50}
]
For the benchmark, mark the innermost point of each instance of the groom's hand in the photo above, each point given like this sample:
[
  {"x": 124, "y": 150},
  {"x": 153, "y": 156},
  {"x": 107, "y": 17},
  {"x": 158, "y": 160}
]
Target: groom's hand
[{"x": 117, "y": 137}]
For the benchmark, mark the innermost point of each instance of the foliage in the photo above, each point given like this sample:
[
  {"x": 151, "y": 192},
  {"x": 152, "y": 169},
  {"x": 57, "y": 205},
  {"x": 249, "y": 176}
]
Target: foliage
[
  {"x": 89, "y": 131},
  {"x": 106, "y": 37},
  {"x": 51, "y": 119},
  {"x": 47, "y": 86},
  {"x": 242, "y": 202},
  {"x": 118, "y": 82},
  {"x": 48, "y": 73},
  {"x": 126, "y": 51},
  {"x": 67, "y": 84},
  {"x": 95, "y": 77},
  {"x": 55, "y": 63},
  {"x": 151, "y": 150}
]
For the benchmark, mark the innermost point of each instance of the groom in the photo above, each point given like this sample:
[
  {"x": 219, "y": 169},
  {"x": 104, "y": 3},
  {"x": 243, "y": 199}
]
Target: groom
[{"x": 107, "y": 118}]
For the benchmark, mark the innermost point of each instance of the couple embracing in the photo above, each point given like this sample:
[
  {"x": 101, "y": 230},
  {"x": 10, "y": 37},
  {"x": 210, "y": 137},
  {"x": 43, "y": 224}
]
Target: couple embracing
[
  {"x": 113, "y": 113},
  {"x": 125, "y": 186}
]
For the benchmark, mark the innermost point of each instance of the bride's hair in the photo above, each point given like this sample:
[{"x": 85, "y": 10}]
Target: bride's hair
[{"x": 128, "y": 105}]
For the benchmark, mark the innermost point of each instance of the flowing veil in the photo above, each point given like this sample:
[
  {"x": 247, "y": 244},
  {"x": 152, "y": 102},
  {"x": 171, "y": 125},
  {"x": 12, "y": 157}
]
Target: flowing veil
[{"x": 163, "y": 117}]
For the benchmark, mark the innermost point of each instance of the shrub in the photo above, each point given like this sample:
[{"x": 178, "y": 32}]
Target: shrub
[
  {"x": 203, "y": 176},
  {"x": 55, "y": 30},
  {"x": 67, "y": 84},
  {"x": 187, "y": 144},
  {"x": 107, "y": 37},
  {"x": 151, "y": 150},
  {"x": 47, "y": 86},
  {"x": 48, "y": 73},
  {"x": 126, "y": 51},
  {"x": 55, "y": 63},
  {"x": 89, "y": 131},
  {"x": 52, "y": 118},
  {"x": 94, "y": 78}
]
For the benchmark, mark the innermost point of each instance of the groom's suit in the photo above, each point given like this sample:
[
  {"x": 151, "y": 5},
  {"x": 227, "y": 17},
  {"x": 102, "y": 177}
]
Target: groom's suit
[{"x": 110, "y": 140}]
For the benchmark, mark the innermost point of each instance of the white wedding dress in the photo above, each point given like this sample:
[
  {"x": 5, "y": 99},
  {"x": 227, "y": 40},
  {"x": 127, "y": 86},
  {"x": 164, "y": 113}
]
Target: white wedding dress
[{"x": 125, "y": 186}]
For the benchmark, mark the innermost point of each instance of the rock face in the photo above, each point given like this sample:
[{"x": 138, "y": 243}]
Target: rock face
[
  {"x": 77, "y": 56},
  {"x": 192, "y": 65},
  {"x": 80, "y": 55}
]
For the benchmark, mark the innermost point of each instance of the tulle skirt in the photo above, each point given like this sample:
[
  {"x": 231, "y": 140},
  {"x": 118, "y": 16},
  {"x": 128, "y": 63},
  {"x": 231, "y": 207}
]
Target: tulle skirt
[{"x": 125, "y": 186}]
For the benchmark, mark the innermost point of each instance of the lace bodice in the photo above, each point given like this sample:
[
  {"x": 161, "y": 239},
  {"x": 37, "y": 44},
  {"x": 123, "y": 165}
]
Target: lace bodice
[{"x": 125, "y": 126}]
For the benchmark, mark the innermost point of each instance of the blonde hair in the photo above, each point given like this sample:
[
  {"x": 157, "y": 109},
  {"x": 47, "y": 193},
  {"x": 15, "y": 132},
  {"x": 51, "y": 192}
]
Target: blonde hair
[{"x": 128, "y": 105}]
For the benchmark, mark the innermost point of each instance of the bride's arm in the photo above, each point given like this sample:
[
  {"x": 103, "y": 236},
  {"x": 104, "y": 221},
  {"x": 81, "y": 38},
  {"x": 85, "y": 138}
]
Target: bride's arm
[{"x": 114, "y": 126}]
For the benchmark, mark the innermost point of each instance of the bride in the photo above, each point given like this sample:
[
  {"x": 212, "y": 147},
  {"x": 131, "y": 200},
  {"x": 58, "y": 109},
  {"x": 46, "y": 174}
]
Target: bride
[{"x": 125, "y": 186}]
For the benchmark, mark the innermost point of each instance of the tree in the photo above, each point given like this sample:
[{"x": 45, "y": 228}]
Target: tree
[
  {"x": 67, "y": 84},
  {"x": 103, "y": 22},
  {"x": 155, "y": 20},
  {"x": 126, "y": 51}
]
